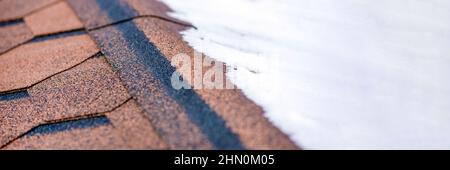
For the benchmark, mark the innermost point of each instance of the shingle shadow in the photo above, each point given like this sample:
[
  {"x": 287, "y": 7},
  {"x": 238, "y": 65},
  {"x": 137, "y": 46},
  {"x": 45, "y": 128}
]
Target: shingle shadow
[
  {"x": 59, "y": 35},
  {"x": 69, "y": 125},
  {"x": 12, "y": 22},
  {"x": 14, "y": 95}
]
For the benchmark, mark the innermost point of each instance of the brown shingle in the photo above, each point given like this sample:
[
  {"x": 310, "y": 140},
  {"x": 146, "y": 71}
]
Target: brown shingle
[
  {"x": 58, "y": 17},
  {"x": 13, "y": 35},
  {"x": 89, "y": 88},
  {"x": 15, "y": 9},
  {"x": 135, "y": 127},
  {"x": 33, "y": 62}
]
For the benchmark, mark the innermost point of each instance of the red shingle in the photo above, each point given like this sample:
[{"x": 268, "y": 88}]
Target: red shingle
[{"x": 91, "y": 133}]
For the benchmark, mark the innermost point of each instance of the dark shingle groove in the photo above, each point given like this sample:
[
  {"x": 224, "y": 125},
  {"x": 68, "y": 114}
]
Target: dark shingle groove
[
  {"x": 46, "y": 37},
  {"x": 32, "y": 11},
  {"x": 81, "y": 123},
  {"x": 65, "y": 120},
  {"x": 58, "y": 35},
  {"x": 142, "y": 16},
  {"x": 11, "y": 22},
  {"x": 98, "y": 54},
  {"x": 14, "y": 95}
]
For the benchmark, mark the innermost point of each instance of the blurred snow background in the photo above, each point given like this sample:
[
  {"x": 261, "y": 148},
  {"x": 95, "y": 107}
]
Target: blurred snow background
[{"x": 347, "y": 74}]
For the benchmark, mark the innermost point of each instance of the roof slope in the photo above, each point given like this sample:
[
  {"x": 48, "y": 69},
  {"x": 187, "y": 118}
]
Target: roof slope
[{"x": 82, "y": 74}]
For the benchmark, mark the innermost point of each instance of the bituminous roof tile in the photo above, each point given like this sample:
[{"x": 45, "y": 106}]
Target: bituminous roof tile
[
  {"x": 89, "y": 88},
  {"x": 16, "y": 9},
  {"x": 33, "y": 62},
  {"x": 13, "y": 35},
  {"x": 139, "y": 50},
  {"x": 58, "y": 17},
  {"x": 134, "y": 127}
]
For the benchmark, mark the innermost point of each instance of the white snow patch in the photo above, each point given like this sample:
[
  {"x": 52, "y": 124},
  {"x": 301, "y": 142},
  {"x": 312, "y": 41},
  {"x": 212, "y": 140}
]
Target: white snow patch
[{"x": 345, "y": 74}]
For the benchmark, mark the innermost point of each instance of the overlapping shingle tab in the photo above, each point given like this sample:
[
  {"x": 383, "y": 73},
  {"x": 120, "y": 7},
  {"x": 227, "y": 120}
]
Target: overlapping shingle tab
[
  {"x": 13, "y": 35},
  {"x": 87, "y": 89},
  {"x": 58, "y": 17},
  {"x": 16, "y": 9},
  {"x": 123, "y": 128},
  {"x": 93, "y": 133},
  {"x": 110, "y": 88},
  {"x": 33, "y": 62}
]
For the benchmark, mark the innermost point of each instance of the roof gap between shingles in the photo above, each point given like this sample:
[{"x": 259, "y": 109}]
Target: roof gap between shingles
[
  {"x": 11, "y": 22},
  {"x": 93, "y": 121},
  {"x": 14, "y": 95},
  {"x": 88, "y": 115},
  {"x": 59, "y": 35}
]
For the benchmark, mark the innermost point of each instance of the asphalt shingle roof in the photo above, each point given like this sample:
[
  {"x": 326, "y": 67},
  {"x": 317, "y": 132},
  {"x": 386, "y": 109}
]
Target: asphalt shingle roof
[{"x": 108, "y": 87}]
